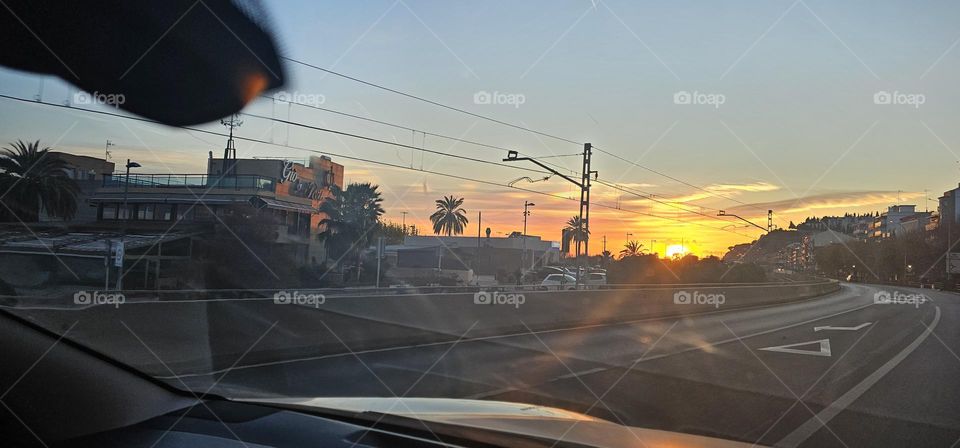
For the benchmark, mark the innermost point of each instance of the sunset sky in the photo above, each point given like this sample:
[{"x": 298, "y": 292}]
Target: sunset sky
[{"x": 798, "y": 130}]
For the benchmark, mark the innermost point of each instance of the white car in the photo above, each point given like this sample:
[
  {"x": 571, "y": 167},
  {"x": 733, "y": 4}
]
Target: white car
[
  {"x": 559, "y": 281},
  {"x": 596, "y": 280}
]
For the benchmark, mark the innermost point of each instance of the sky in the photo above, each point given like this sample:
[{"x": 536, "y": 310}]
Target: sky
[{"x": 808, "y": 108}]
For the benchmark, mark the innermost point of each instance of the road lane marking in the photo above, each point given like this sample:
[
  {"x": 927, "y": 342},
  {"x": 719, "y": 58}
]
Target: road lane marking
[
  {"x": 554, "y": 330},
  {"x": 823, "y": 350},
  {"x": 827, "y": 327},
  {"x": 811, "y": 426}
]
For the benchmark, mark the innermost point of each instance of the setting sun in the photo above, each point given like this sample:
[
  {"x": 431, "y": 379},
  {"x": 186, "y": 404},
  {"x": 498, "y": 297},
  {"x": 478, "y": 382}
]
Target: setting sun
[{"x": 676, "y": 249}]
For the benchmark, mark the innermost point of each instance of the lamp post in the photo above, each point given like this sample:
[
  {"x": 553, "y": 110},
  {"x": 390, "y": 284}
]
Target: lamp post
[
  {"x": 523, "y": 251},
  {"x": 126, "y": 218},
  {"x": 126, "y": 188}
]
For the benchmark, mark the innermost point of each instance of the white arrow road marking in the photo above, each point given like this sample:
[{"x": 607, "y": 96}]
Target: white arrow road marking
[
  {"x": 827, "y": 327},
  {"x": 824, "y": 349}
]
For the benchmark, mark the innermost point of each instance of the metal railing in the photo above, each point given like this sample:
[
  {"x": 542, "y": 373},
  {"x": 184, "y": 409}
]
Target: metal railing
[{"x": 189, "y": 181}]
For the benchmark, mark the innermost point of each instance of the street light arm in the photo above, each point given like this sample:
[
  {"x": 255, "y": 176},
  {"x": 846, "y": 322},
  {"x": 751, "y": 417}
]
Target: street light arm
[
  {"x": 724, "y": 213},
  {"x": 546, "y": 168}
]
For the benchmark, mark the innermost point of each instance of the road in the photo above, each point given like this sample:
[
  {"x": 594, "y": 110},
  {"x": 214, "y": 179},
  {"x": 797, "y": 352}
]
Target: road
[{"x": 838, "y": 370}]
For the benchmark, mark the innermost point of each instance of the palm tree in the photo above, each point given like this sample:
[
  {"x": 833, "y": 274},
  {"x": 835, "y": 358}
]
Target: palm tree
[
  {"x": 450, "y": 218},
  {"x": 574, "y": 232},
  {"x": 351, "y": 215},
  {"x": 631, "y": 249},
  {"x": 32, "y": 181}
]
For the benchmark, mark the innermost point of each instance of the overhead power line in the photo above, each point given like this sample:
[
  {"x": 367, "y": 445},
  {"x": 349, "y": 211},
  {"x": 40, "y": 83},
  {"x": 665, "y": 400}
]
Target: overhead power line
[
  {"x": 511, "y": 125},
  {"x": 435, "y": 103},
  {"x": 387, "y": 142},
  {"x": 421, "y": 131},
  {"x": 365, "y": 160}
]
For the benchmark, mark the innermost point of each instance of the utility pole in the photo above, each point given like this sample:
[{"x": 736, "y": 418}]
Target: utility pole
[
  {"x": 379, "y": 257},
  {"x": 583, "y": 227},
  {"x": 479, "y": 221},
  {"x": 404, "y": 223},
  {"x": 523, "y": 244},
  {"x": 604, "y": 243},
  {"x": 585, "y": 208}
]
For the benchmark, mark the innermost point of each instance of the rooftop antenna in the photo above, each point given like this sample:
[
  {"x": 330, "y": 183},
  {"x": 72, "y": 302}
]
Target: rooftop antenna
[
  {"x": 106, "y": 151},
  {"x": 230, "y": 152}
]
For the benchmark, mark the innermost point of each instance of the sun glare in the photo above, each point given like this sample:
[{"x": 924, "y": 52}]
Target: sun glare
[{"x": 676, "y": 249}]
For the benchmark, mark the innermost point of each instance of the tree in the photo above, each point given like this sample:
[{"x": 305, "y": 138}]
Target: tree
[
  {"x": 352, "y": 214},
  {"x": 33, "y": 181},
  {"x": 450, "y": 217},
  {"x": 391, "y": 232},
  {"x": 574, "y": 232},
  {"x": 631, "y": 249}
]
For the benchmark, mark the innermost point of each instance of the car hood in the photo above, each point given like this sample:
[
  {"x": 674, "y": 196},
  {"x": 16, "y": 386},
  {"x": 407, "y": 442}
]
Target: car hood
[{"x": 525, "y": 420}]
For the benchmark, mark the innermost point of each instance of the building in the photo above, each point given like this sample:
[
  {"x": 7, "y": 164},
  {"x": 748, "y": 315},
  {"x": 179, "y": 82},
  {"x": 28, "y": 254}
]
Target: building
[
  {"x": 88, "y": 172},
  {"x": 483, "y": 256},
  {"x": 949, "y": 208},
  {"x": 891, "y": 223},
  {"x": 287, "y": 191}
]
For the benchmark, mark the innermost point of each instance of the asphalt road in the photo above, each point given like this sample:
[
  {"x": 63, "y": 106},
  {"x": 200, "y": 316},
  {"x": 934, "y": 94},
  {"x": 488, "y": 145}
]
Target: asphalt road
[{"x": 877, "y": 375}]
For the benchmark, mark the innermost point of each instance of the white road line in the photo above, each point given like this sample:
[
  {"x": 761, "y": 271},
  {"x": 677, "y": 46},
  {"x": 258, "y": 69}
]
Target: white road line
[
  {"x": 804, "y": 431},
  {"x": 822, "y": 350},
  {"x": 842, "y": 328}
]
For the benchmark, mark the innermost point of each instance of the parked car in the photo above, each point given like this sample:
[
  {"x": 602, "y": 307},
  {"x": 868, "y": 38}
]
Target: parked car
[
  {"x": 596, "y": 280},
  {"x": 559, "y": 281}
]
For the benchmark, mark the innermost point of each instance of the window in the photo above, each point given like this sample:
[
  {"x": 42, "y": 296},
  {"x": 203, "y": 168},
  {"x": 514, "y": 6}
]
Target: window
[{"x": 109, "y": 211}]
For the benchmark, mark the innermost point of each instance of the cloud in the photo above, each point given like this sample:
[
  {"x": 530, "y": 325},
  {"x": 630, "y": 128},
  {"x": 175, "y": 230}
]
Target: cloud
[
  {"x": 727, "y": 190},
  {"x": 847, "y": 201}
]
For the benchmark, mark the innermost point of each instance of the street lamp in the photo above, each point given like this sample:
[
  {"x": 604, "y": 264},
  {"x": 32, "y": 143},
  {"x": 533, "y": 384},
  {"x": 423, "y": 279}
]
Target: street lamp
[
  {"x": 126, "y": 187},
  {"x": 126, "y": 211},
  {"x": 523, "y": 251},
  {"x": 628, "y": 237}
]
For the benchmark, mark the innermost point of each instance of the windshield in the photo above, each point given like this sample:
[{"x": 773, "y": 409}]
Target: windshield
[{"x": 731, "y": 219}]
